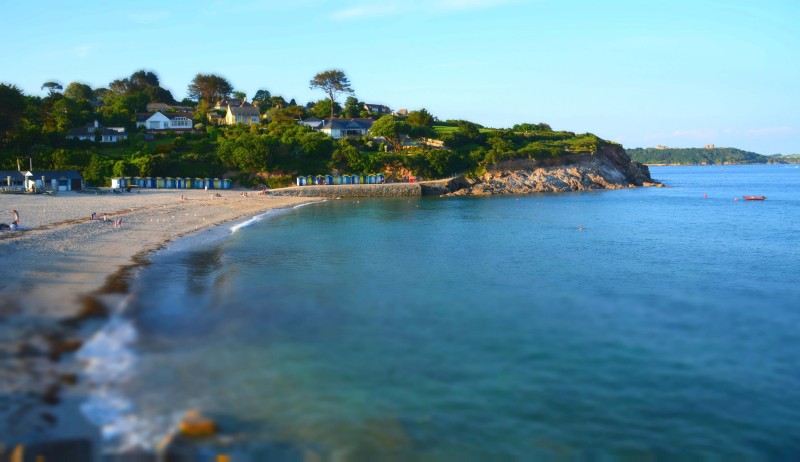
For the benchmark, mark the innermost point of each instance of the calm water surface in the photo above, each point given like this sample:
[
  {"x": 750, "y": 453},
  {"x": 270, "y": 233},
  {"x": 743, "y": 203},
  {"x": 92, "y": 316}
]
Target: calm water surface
[{"x": 445, "y": 328}]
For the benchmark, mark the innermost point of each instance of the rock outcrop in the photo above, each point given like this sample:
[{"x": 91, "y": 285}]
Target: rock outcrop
[{"x": 607, "y": 168}]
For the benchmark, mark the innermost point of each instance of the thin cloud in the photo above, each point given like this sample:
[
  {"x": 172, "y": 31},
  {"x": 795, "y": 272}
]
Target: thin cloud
[
  {"x": 701, "y": 133},
  {"x": 397, "y": 8},
  {"x": 366, "y": 11},
  {"x": 148, "y": 17},
  {"x": 768, "y": 131},
  {"x": 83, "y": 50}
]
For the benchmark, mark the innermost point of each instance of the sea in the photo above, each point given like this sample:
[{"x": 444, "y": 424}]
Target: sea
[{"x": 634, "y": 324}]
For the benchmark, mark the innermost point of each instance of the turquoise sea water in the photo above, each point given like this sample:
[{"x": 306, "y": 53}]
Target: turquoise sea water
[{"x": 452, "y": 328}]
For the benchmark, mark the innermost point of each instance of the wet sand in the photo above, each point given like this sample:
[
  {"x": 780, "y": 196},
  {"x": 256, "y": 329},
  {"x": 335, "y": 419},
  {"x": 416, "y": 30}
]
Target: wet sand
[{"x": 52, "y": 275}]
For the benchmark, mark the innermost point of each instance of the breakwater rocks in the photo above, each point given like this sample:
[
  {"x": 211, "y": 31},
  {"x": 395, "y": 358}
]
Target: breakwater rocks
[
  {"x": 608, "y": 168},
  {"x": 352, "y": 190}
]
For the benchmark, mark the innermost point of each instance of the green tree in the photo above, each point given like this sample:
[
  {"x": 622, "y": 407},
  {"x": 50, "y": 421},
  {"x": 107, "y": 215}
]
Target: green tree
[
  {"x": 352, "y": 107},
  {"x": 322, "y": 108},
  {"x": 262, "y": 97},
  {"x": 420, "y": 118},
  {"x": 12, "y": 105},
  {"x": 240, "y": 95},
  {"x": 78, "y": 91},
  {"x": 52, "y": 87},
  {"x": 209, "y": 87},
  {"x": 123, "y": 168},
  {"x": 392, "y": 129},
  {"x": 333, "y": 82}
]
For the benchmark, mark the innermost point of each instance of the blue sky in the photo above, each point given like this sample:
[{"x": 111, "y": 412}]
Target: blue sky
[{"x": 639, "y": 72}]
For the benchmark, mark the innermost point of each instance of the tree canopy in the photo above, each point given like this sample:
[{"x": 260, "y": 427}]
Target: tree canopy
[
  {"x": 392, "y": 129},
  {"x": 209, "y": 88},
  {"x": 333, "y": 82}
]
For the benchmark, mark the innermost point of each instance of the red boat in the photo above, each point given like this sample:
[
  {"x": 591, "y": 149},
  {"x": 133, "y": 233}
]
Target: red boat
[{"x": 754, "y": 198}]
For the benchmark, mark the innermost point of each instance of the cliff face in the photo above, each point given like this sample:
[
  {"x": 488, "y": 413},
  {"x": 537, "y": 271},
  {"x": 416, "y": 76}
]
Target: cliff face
[{"x": 608, "y": 168}]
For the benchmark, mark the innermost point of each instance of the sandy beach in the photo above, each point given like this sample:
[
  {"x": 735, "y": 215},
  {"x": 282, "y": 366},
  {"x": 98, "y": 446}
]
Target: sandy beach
[{"x": 54, "y": 271}]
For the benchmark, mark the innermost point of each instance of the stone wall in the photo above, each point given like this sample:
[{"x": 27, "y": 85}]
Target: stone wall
[{"x": 352, "y": 190}]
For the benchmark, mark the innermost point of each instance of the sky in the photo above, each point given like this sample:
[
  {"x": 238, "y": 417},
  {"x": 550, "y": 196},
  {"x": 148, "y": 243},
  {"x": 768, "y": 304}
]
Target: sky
[{"x": 679, "y": 73}]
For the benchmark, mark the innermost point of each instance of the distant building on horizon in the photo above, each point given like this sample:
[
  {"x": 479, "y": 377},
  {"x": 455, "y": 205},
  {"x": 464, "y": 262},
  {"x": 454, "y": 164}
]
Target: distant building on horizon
[
  {"x": 709, "y": 146},
  {"x": 661, "y": 146}
]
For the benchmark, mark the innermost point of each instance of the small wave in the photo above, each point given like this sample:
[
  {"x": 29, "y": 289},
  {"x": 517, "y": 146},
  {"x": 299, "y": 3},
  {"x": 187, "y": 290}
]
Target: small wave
[
  {"x": 309, "y": 203},
  {"x": 249, "y": 222}
]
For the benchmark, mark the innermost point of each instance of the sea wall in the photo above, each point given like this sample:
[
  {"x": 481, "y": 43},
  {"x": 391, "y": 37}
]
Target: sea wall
[{"x": 352, "y": 190}]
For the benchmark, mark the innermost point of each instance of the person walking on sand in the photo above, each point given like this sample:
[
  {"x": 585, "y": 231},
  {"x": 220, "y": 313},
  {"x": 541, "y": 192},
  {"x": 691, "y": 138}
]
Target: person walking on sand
[{"x": 15, "y": 216}]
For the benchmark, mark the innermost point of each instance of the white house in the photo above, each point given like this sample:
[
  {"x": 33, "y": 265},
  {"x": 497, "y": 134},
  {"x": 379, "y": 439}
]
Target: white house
[
  {"x": 96, "y": 132},
  {"x": 344, "y": 128},
  {"x": 165, "y": 120}
]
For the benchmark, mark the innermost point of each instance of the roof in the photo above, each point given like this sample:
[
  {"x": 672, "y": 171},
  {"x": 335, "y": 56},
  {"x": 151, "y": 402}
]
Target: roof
[
  {"x": 347, "y": 124},
  {"x": 174, "y": 115},
  {"x": 90, "y": 130},
  {"x": 245, "y": 111},
  {"x": 158, "y": 107},
  {"x": 143, "y": 116},
  {"x": 380, "y": 107}
]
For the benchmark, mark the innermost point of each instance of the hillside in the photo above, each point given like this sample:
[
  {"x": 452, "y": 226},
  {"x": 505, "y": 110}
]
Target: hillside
[{"x": 699, "y": 156}]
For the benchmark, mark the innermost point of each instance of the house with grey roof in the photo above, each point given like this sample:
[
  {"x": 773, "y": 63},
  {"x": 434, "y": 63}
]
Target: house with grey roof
[
  {"x": 93, "y": 131},
  {"x": 313, "y": 122},
  {"x": 247, "y": 115},
  {"x": 377, "y": 109},
  {"x": 346, "y": 128}
]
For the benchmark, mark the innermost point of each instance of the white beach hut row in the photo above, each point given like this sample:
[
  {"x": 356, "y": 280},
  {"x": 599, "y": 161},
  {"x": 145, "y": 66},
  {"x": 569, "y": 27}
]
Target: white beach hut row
[
  {"x": 170, "y": 183},
  {"x": 340, "y": 179}
]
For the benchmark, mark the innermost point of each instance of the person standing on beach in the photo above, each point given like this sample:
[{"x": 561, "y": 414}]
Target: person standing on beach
[{"x": 15, "y": 216}]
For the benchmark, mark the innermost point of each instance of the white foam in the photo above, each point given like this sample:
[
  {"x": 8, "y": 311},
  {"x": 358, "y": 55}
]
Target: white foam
[{"x": 249, "y": 222}]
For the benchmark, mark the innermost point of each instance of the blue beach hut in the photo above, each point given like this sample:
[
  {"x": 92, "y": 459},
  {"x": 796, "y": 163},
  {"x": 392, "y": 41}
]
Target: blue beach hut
[
  {"x": 180, "y": 183},
  {"x": 328, "y": 179},
  {"x": 371, "y": 179},
  {"x": 379, "y": 178},
  {"x": 301, "y": 181},
  {"x": 150, "y": 182},
  {"x": 226, "y": 183},
  {"x": 319, "y": 179},
  {"x": 347, "y": 179}
]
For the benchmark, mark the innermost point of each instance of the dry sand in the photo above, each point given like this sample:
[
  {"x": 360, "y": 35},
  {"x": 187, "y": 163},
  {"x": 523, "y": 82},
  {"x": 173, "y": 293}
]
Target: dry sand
[{"x": 61, "y": 257}]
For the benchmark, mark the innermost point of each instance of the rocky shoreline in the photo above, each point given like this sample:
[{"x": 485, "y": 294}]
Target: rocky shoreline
[{"x": 608, "y": 168}]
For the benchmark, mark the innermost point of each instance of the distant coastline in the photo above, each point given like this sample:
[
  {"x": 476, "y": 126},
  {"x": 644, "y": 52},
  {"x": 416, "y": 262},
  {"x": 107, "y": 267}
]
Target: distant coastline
[{"x": 708, "y": 155}]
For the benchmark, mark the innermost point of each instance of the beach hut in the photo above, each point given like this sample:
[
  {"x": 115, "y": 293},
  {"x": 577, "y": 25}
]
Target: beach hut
[
  {"x": 347, "y": 179},
  {"x": 371, "y": 179},
  {"x": 117, "y": 183},
  {"x": 180, "y": 183},
  {"x": 226, "y": 183},
  {"x": 319, "y": 179},
  {"x": 150, "y": 182},
  {"x": 309, "y": 180},
  {"x": 217, "y": 183},
  {"x": 337, "y": 179},
  {"x": 328, "y": 179},
  {"x": 362, "y": 179},
  {"x": 208, "y": 183},
  {"x": 159, "y": 182},
  {"x": 169, "y": 183},
  {"x": 380, "y": 178},
  {"x": 301, "y": 181}
]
